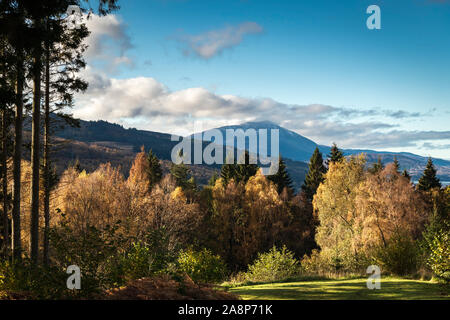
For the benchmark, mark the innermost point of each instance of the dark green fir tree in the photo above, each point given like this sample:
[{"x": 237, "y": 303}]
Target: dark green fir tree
[
  {"x": 315, "y": 176},
  {"x": 282, "y": 179},
  {"x": 428, "y": 180},
  {"x": 335, "y": 155},
  {"x": 154, "y": 169}
]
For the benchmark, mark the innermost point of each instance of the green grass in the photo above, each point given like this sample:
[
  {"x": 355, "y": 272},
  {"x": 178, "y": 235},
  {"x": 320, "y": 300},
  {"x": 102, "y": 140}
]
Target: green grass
[{"x": 345, "y": 289}]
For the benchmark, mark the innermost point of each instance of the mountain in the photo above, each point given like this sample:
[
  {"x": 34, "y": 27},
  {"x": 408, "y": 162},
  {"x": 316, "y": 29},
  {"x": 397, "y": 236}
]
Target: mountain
[
  {"x": 298, "y": 148},
  {"x": 97, "y": 142}
]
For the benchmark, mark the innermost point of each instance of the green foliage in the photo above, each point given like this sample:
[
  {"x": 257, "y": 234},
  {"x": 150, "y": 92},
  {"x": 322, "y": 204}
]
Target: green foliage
[
  {"x": 145, "y": 259},
  {"x": 429, "y": 180},
  {"x": 315, "y": 176},
  {"x": 202, "y": 266},
  {"x": 92, "y": 250},
  {"x": 154, "y": 169},
  {"x": 334, "y": 262},
  {"x": 34, "y": 281},
  {"x": 274, "y": 265},
  {"x": 439, "y": 258},
  {"x": 281, "y": 178},
  {"x": 376, "y": 166},
  {"x": 400, "y": 256},
  {"x": 239, "y": 172},
  {"x": 335, "y": 155},
  {"x": 182, "y": 176}
]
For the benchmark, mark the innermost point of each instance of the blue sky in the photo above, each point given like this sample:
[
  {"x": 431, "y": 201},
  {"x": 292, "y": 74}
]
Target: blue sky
[{"x": 311, "y": 66}]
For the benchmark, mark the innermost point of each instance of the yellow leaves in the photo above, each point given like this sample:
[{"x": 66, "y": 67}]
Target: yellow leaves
[
  {"x": 178, "y": 194},
  {"x": 260, "y": 189}
]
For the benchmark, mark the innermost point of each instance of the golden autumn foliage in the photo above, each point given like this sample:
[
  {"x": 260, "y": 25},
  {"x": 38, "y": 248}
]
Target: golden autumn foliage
[
  {"x": 104, "y": 197},
  {"x": 359, "y": 211},
  {"x": 388, "y": 206},
  {"x": 334, "y": 204},
  {"x": 248, "y": 219}
]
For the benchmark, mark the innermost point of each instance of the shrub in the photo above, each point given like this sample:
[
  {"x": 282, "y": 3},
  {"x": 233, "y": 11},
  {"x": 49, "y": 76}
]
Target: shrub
[
  {"x": 202, "y": 266},
  {"x": 93, "y": 251},
  {"x": 147, "y": 258},
  {"x": 439, "y": 258},
  {"x": 31, "y": 281},
  {"x": 274, "y": 265},
  {"x": 399, "y": 256}
]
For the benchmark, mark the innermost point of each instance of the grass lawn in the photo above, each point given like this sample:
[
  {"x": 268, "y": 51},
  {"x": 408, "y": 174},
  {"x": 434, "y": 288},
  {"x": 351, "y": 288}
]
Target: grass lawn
[{"x": 354, "y": 289}]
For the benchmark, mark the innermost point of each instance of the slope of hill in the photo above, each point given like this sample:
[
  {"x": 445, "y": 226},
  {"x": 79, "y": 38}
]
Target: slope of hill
[
  {"x": 97, "y": 142},
  {"x": 299, "y": 148}
]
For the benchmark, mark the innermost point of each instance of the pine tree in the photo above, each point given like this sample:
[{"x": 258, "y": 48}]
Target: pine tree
[
  {"x": 238, "y": 172},
  {"x": 182, "y": 176},
  {"x": 396, "y": 164},
  {"x": 406, "y": 174},
  {"x": 228, "y": 172},
  {"x": 376, "y": 166},
  {"x": 429, "y": 180},
  {"x": 154, "y": 169},
  {"x": 246, "y": 170},
  {"x": 281, "y": 178},
  {"x": 315, "y": 176},
  {"x": 335, "y": 155}
]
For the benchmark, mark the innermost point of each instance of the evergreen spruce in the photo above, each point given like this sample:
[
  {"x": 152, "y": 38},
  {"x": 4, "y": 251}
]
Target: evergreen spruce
[
  {"x": 406, "y": 174},
  {"x": 181, "y": 173},
  {"x": 154, "y": 169},
  {"x": 228, "y": 172},
  {"x": 238, "y": 172},
  {"x": 396, "y": 164},
  {"x": 281, "y": 178},
  {"x": 335, "y": 155},
  {"x": 429, "y": 180},
  {"x": 315, "y": 176},
  {"x": 376, "y": 166}
]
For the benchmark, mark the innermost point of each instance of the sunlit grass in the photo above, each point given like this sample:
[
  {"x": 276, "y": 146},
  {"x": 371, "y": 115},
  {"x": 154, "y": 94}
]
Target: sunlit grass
[{"x": 345, "y": 289}]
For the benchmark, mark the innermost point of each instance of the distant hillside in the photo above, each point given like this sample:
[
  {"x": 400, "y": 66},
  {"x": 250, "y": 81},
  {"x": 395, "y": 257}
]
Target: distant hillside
[
  {"x": 299, "y": 148},
  {"x": 98, "y": 142}
]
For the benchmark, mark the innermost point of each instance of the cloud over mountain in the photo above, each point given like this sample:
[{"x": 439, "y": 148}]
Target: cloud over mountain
[{"x": 146, "y": 103}]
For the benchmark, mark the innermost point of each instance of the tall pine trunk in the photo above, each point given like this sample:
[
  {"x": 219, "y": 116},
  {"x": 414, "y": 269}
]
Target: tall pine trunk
[
  {"x": 17, "y": 154},
  {"x": 47, "y": 153},
  {"x": 35, "y": 145},
  {"x": 4, "y": 178}
]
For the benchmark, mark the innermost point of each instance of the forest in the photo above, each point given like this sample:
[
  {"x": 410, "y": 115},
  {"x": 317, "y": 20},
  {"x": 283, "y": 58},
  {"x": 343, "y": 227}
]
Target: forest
[{"x": 243, "y": 227}]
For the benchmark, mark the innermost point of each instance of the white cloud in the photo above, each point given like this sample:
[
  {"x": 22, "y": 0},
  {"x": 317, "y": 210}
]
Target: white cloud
[
  {"x": 108, "y": 43},
  {"x": 147, "y": 104},
  {"x": 209, "y": 44}
]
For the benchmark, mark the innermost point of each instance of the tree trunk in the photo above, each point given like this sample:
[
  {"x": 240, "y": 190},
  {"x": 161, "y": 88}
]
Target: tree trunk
[
  {"x": 46, "y": 154},
  {"x": 35, "y": 132},
  {"x": 17, "y": 156},
  {"x": 5, "y": 179}
]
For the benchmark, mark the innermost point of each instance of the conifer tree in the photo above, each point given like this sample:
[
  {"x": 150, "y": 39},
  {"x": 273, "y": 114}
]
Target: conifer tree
[
  {"x": 281, "y": 178},
  {"x": 239, "y": 172},
  {"x": 154, "y": 169},
  {"x": 406, "y": 174},
  {"x": 429, "y": 180},
  {"x": 315, "y": 176},
  {"x": 182, "y": 176},
  {"x": 246, "y": 170},
  {"x": 376, "y": 166},
  {"x": 396, "y": 164},
  {"x": 335, "y": 154},
  {"x": 228, "y": 172}
]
